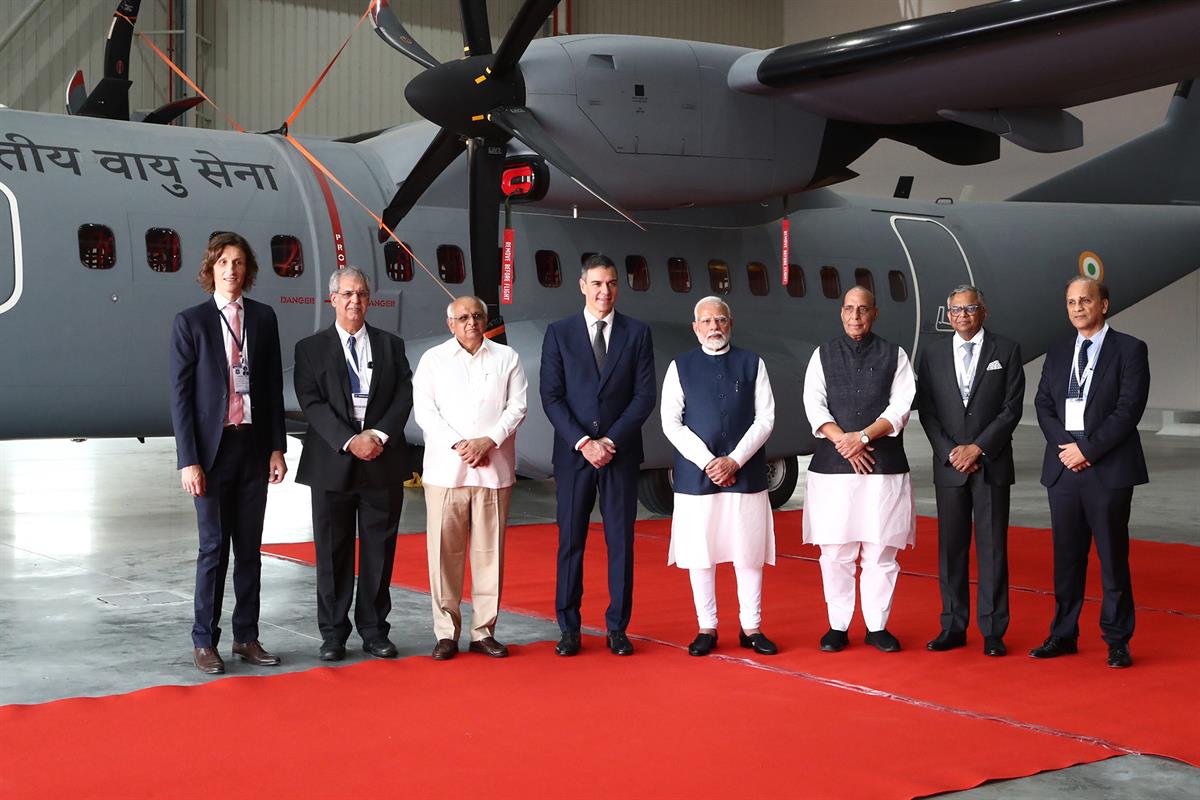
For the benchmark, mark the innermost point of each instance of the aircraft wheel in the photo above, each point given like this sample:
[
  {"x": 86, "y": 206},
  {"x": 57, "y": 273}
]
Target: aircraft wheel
[
  {"x": 782, "y": 475},
  {"x": 655, "y": 491}
]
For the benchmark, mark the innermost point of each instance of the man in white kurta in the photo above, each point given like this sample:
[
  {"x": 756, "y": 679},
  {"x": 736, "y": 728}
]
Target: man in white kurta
[
  {"x": 858, "y": 393},
  {"x": 717, "y": 412},
  {"x": 468, "y": 399}
]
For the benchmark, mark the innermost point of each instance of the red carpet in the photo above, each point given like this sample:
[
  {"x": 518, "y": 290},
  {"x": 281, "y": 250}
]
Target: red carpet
[
  {"x": 1136, "y": 710},
  {"x": 656, "y": 725}
]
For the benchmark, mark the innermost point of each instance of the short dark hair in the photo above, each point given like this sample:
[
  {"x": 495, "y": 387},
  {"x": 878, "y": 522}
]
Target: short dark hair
[
  {"x": 596, "y": 260},
  {"x": 1100, "y": 285},
  {"x": 216, "y": 245}
]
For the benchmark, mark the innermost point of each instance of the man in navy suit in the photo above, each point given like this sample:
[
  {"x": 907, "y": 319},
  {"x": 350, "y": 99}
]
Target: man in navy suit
[
  {"x": 597, "y": 387},
  {"x": 1090, "y": 399},
  {"x": 227, "y": 413}
]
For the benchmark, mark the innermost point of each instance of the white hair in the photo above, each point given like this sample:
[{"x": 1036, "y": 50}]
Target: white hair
[
  {"x": 713, "y": 299},
  {"x": 471, "y": 297},
  {"x": 335, "y": 280}
]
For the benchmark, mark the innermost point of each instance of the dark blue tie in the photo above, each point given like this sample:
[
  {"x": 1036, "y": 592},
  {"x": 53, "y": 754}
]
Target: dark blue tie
[
  {"x": 1074, "y": 389},
  {"x": 355, "y": 386}
]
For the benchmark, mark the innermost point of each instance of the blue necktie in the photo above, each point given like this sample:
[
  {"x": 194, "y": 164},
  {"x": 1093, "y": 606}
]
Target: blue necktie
[
  {"x": 1074, "y": 389},
  {"x": 355, "y": 386}
]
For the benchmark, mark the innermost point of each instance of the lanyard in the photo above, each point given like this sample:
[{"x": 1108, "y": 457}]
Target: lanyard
[{"x": 239, "y": 342}]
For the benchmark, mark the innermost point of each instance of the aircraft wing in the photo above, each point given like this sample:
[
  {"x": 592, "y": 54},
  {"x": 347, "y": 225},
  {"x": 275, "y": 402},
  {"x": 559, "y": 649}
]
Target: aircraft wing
[{"x": 1009, "y": 67}]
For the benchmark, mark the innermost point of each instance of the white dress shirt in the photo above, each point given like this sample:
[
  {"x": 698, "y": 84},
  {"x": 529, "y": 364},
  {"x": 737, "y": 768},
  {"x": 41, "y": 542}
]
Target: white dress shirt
[
  {"x": 227, "y": 337},
  {"x": 591, "y": 321},
  {"x": 966, "y": 375},
  {"x": 459, "y": 395},
  {"x": 1092, "y": 356},
  {"x": 366, "y": 368}
]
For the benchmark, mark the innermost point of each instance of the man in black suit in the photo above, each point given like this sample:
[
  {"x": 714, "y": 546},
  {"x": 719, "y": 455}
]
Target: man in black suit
[
  {"x": 355, "y": 388},
  {"x": 1090, "y": 399},
  {"x": 597, "y": 387},
  {"x": 970, "y": 391},
  {"x": 227, "y": 414}
]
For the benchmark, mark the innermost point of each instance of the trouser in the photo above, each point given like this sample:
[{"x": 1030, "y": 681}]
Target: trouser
[
  {"x": 458, "y": 518},
  {"x": 749, "y": 589},
  {"x": 230, "y": 514},
  {"x": 878, "y": 582},
  {"x": 988, "y": 505}
]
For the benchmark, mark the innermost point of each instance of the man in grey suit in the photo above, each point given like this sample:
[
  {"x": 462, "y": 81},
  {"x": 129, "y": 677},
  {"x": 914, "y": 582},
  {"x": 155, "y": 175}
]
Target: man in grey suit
[{"x": 970, "y": 389}]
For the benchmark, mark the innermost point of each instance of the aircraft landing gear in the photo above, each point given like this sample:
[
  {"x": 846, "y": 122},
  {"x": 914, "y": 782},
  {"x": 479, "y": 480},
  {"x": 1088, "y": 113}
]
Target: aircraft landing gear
[
  {"x": 655, "y": 491},
  {"x": 782, "y": 474}
]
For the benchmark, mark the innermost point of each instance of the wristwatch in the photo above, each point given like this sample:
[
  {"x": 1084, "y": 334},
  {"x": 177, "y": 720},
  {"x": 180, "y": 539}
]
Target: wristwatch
[{"x": 862, "y": 437}]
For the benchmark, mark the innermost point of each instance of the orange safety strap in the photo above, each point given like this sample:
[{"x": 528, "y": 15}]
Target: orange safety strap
[
  {"x": 318, "y": 165},
  {"x": 189, "y": 81},
  {"x": 324, "y": 72}
]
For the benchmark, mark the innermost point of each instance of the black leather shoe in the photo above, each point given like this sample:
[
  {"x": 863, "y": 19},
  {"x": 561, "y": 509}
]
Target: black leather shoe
[
  {"x": 568, "y": 645},
  {"x": 758, "y": 643},
  {"x": 703, "y": 644},
  {"x": 994, "y": 646},
  {"x": 445, "y": 649},
  {"x": 619, "y": 643},
  {"x": 834, "y": 641},
  {"x": 883, "y": 641},
  {"x": 380, "y": 648},
  {"x": 1053, "y": 648},
  {"x": 947, "y": 640},
  {"x": 332, "y": 651},
  {"x": 1118, "y": 656},
  {"x": 489, "y": 646},
  {"x": 208, "y": 660}
]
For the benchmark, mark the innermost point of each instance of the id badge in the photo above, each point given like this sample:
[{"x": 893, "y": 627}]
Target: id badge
[
  {"x": 241, "y": 378},
  {"x": 360, "y": 405},
  {"x": 1074, "y": 415}
]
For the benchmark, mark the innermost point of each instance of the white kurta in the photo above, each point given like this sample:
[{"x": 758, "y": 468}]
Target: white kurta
[
  {"x": 844, "y": 508},
  {"x": 725, "y": 526}
]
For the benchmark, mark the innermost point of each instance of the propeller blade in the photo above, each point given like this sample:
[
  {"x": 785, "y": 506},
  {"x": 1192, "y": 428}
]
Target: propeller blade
[
  {"x": 477, "y": 38},
  {"x": 76, "y": 93},
  {"x": 392, "y": 31},
  {"x": 525, "y": 25},
  {"x": 164, "y": 114},
  {"x": 486, "y": 162},
  {"x": 444, "y": 148},
  {"x": 520, "y": 123}
]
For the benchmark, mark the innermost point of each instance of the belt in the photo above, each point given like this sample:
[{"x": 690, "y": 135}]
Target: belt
[{"x": 241, "y": 428}]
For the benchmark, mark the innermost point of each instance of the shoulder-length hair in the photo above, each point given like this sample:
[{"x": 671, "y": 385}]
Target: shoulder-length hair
[{"x": 216, "y": 246}]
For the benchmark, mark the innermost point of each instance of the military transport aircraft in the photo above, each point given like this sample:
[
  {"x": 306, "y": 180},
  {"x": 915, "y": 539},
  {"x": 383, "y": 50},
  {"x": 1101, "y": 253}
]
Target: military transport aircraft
[{"x": 683, "y": 161}]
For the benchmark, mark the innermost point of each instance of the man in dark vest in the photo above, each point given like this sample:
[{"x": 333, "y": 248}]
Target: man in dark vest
[
  {"x": 858, "y": 393},
  {"x": 717, "y": 411}
]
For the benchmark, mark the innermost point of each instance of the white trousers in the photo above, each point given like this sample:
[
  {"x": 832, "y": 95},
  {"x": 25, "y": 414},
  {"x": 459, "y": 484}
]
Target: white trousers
[
  {"x": 749, "y": 589},
  {"x": 878, "y": 581}
]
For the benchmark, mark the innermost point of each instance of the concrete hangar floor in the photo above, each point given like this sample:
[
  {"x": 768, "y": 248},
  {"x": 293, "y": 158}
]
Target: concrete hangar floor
[{"x": 97, "y": 548}]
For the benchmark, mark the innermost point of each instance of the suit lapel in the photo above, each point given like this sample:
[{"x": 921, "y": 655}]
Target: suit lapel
[
  {"x": 616, "y": 341},
  {"x": 337, "y": 358},
  {"x": 1103, "y": 361},
  {"x": 583, "y": 340},
  {"x": 249, "y": 330},
  {"x": 377, "y": 360},
  {"x": 214, "y": 330}
]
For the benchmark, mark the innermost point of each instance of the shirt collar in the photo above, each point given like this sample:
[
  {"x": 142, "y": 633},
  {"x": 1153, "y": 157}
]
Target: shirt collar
[
  {"x": 1096, "y": 338},
  {"x": 977, "y": 339},
  {"x": 344, "y": 334},
  {"x": 457, "y": 350},
  {"x": 720, "y": 352},
  {"x": 592, "y": 320},
  {"x": 223, "y": 301}
]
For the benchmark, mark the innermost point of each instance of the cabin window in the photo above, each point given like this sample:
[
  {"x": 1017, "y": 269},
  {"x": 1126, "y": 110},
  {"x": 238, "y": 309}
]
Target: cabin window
[
  {"x": 898, "y": 286},
  {"x": 718, "y": 277},
  {"x": 97, "y": 247},
  {"x": 864, "y": 278},
  {"x": 451, "y": 266},
  {"x": 677, "y": 272},
  {"x": 398, "y": 261},
  {"x": 756, "y": 276},
  {"x": 162, "y": 250},
  {"x": 831, "y": 283},
  {"x": 637, "y": 272},
  {"x": 795, "y": 284},
  {"x": 287, "y": 257},
  {"x": 548, "y": 269}
]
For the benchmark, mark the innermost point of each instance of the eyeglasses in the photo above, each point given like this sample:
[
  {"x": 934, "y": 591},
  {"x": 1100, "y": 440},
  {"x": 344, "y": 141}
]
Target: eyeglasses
[
  {"x": 857, "y": 311},
  {"x": 706, "y": 321},
  {"x": 347, "y": 295},
  {"x": 478, "y": 316},
  {"x": 968, "y": 309}
]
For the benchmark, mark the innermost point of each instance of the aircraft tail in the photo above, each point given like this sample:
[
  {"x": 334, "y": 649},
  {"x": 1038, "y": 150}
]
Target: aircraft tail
[{"x": 1161, "y": 167}]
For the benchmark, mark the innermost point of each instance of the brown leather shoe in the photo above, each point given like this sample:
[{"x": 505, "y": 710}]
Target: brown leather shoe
[
  {"x": 490, "y": 646},
  {"x": 445, "y": 649},
  {"x": 208, "y": 660},
  {"x": 254, "y": 653}
]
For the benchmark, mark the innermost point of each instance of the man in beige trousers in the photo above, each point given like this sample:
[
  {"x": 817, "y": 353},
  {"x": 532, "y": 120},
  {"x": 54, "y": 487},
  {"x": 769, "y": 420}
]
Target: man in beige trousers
[{"x": 468, "y": 399}]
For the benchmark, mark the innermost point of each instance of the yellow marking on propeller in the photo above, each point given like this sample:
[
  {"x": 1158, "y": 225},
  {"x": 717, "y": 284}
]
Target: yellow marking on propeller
[
  {"x": 481, "y": 79},
  {"x": 488, "y": 70},
  {"x": 477, "y": 118}
]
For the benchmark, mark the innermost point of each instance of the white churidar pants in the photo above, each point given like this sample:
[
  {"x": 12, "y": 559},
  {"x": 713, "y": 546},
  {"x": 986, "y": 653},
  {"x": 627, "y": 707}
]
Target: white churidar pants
[
  {"x": 749, "y": 589},
  {"x": 879, "y": 573}
]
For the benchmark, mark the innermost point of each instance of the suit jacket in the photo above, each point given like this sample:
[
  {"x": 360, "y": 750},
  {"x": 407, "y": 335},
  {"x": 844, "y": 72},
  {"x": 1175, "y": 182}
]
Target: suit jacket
[
  {"x": 580, "y": 401},
  {"x": 1120, "y": 385},
  {"x": 989, "y": 417},
  {"x": 200, "y": 381},
  {"x": 322, "y": 382}
]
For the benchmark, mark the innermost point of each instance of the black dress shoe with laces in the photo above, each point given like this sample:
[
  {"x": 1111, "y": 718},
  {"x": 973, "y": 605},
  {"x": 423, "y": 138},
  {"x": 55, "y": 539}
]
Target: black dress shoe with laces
[
  {"x": 703, "y": 644},
  {"x": 568, "y": 645},
  {"x": 619, "y": 643},
  {"x": 834, "y": 641},
  {"x": 758, "y": 643},
  {"x": 332, "y": 651},
  {"x": 381, "y": 648},
  {"x": 947, "y": 640},
  {"x": 883, "y": 641},
  {"x": 994, "y": 646},
  {"x": 1053, "y": 648},
  {"x": 1118, "y": 656}
]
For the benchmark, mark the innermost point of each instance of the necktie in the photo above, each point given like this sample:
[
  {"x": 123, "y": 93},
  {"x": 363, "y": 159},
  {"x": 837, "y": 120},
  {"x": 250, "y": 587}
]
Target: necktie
[
  {"x": 965, "y": 386},
  {"x": 352, "y": 363},
  {"x": 598, "y": 346},
  {"x": 235, "y": 412},
  {"x": 1074, "y": 388}
]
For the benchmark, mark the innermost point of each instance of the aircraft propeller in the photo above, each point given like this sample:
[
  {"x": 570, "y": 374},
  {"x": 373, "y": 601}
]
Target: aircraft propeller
[{"x": 479, "y": 102}]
